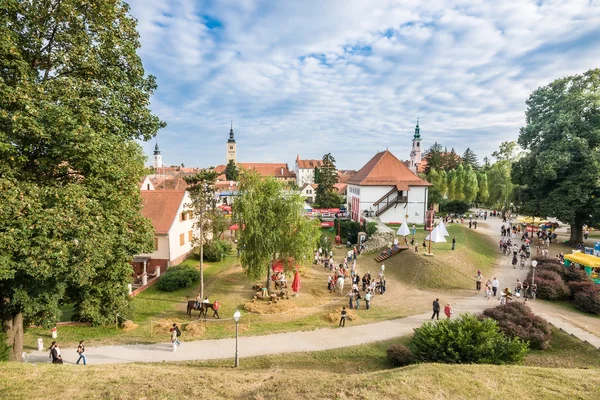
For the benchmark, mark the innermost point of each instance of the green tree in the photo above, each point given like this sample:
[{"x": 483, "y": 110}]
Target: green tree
[
  {"x": 434, "y": 157},
  {"x": 73, "y": 102},
  {"x": 274, "y": 226},
  {"x": 326, "y": 193},
  {"x": 470, "y": 184},
  {"x": 451, "y": 185},
  {"x": 500, "y": 185},
  {"x": 219, "y": 223},
  {"x": 438, "y": 190},
  {"x": 508, "y": 151},
  {"x": 483, "y": 190},
  {"x": 202, "y": 189},
  {"x": 231, "y": 171},
  {"x": 459, "y": 182},
  {"x": 470, "y": 158},
  {"x": 451, "y": 160},
  {"x": 561, "y": 170},
  {"x": 486, "y": 164}
]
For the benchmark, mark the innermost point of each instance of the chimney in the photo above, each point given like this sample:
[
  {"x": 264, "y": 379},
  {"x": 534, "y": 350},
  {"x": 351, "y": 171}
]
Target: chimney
[{"x": 281, "y": 171}]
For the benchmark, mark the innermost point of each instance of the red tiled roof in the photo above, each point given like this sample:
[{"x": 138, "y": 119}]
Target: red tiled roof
[
  {"x": 161, "y": 206},
  {"x": 384, "y": 169},
  {"x": 345, "y": 174},
  {"x": 264, "y": 169},
  {"x": 341, "y": 187},
  {"x": 309, "y": 164}
]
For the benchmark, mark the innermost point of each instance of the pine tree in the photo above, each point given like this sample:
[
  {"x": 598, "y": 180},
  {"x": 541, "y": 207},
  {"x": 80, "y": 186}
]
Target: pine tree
[
  {"x": 434, "y": 158},
  {"x": 326, "y": 194},
  {"x": 231, "y": 171},
  {"x": 470, "y": 158}
]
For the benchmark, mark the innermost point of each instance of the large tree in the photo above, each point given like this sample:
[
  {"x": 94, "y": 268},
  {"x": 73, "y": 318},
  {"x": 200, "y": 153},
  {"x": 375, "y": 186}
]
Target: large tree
[
  {"x": 202, "y": 190},
  {"x": 326, "y": 177},
  {"x": 482, "y": 187},
  {"x": 470, "y": 158},
  {"x": 470, "y": 184},
  {"x": 434, "y": 157},
  {"x": 231, "y": 171},
  {"x": 274, "y": 226},
  {"x": 561, "y": 170},
  {"x": 73, "y": 101},
  {"x": 500, "y": 185},
  {"x": 438, "y": 190}
]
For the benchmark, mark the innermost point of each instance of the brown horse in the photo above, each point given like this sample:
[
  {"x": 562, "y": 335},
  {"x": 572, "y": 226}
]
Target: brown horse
[{"x": 203, "y": 308}]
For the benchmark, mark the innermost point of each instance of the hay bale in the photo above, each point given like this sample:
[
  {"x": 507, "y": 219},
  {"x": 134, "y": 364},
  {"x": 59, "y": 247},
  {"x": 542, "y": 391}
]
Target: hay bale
[
  {"x": 129, "y": 325},
  {"x": 195, "y": 329},
  {"x": 335, "y": 316},
  {"x": 164, "y": 326}
]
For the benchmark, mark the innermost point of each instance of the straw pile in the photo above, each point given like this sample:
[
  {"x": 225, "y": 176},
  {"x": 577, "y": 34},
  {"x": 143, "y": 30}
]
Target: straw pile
[{"x": 129, "y": 325}]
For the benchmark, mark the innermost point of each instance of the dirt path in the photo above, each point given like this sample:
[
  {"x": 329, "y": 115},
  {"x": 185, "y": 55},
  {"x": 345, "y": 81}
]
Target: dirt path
[{"x": 324, "y": 339}]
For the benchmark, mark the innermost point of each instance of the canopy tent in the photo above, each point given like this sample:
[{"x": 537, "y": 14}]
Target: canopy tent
[
  {"x": 436, "y": 236},
  {"x": 532, "y": 220},
  {"x": 443, "y": 228},
  {"x": 403, "y": 230},
  {"x": 278, "y": 266},
  {"x": 587, "y": 260}
]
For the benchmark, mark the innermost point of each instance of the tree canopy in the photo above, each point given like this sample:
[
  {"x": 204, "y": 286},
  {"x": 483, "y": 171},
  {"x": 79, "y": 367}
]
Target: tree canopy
[
  {"x": 560, "y": 171},
  {"x": 231, "y": 171},
  {"x": 470, "y": 158},
  {"x": 73, "y": 101},
  {"x": 274, "y": 226},
  {"x": 326, "y": 177}
]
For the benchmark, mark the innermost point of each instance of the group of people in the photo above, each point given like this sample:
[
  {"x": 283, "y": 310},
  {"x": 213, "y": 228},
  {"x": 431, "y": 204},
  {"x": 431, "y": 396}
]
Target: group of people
[
  {"x": 56, "y": 357},
  {"x": 436, "y": 310}
]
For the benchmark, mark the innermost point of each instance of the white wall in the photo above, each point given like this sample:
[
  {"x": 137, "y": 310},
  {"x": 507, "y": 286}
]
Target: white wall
[
  {"x": 179, "y": 227},
  {"x": 147, "y": 185},
  {"x": 163, "y": 249},
  {"x": 415, "y": 208},
  {"x": 306, "y": 175}
]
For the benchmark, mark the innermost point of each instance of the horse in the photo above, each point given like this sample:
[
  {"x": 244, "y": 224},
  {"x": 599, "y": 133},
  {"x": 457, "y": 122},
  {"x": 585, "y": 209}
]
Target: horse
[
  {"x": 202, "y": 308},
  {"x": 340, "y": 284}
]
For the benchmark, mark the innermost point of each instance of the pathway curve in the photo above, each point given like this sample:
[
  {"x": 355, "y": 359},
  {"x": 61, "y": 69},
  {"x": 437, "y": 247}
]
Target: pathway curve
[{"x": 316, "y": 340}]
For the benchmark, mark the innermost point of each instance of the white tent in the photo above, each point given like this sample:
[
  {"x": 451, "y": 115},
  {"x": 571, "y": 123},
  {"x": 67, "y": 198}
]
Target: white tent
[
  {"x": 307, "y": 208},
  {"x": 403, "y": 230},
  {"x": 443, "y": 228},
  {"x": 436, "y": 236}
]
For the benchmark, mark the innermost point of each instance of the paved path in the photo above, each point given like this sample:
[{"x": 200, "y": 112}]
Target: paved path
[{"x": 320, "y": 339}]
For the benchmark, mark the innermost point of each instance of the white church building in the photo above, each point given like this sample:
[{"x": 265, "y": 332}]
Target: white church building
[{"x": 387, "y": 189}]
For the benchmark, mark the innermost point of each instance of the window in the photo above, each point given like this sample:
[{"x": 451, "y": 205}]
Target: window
[
  {"x": 190, "y": 236},
  {"x": 417, "y": 144},
  {"x": 155, "y": 244},
  {"x": 230, "y": 147},
  {"x": 182, "y": 239},
  {"x": 148, "y": 187},
  {"x": 184, "y": 216}
]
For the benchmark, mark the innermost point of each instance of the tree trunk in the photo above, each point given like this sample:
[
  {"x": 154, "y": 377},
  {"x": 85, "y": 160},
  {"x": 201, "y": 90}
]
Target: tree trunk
[
  {"x": 13, "y": 326},
  {"x": 268, "y": 285},
  {"x": 201, "y": 264},
  {"x": 576, "y": 234}
]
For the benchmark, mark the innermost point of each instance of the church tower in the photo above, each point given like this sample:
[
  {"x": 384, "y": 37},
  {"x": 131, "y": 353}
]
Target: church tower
[
  {"x": 231, "y": 146},
  {"x": 415, "y": 154},
  {"x": 157, "y": 157}
]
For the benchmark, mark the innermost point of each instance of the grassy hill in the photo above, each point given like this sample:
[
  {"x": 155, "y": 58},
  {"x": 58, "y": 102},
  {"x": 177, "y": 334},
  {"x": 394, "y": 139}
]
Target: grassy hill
[{"x": 177, "y": 381}]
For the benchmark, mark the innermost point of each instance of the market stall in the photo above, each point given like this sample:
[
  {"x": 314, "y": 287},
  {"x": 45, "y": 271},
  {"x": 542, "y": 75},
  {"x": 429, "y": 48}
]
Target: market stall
[{"x": 590, "y": 263}]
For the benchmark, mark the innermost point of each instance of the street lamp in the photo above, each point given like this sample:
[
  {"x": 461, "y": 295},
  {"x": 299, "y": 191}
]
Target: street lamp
[
  {"x": 533, "y": 265},
  {"x": 236, "y": 318}
]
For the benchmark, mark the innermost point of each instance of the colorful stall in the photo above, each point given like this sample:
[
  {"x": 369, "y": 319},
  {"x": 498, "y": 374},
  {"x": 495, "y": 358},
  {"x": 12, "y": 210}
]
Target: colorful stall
[{"x": 590, "y": 263}]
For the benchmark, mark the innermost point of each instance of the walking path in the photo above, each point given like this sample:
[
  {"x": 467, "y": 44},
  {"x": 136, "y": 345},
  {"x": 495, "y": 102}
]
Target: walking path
[{"x": 320, "y": 339}]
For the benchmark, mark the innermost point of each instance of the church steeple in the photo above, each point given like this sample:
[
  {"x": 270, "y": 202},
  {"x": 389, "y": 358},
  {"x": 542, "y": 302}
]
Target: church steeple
[
  {"x": 156, "y": 149},
  {"x": 157, "y": 157},
  {"x": 231, "y": 138},
  {"x": 417, "y": 131}
]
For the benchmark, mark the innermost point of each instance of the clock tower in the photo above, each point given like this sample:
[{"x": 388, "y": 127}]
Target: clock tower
[{"x": 231, "y": 146}]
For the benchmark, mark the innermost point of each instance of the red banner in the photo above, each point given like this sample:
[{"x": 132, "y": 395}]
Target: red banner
[
  {"x": 532, "y": 228},
  {"x": 327, "y": 224}
]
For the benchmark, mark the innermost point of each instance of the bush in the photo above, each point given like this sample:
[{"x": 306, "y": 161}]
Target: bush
[
  {"x": 400, "y": 355},
  {"x": 371, "y": 228},
  {"x": 216, "y": 249},
  {"x": 5, "y": 349},
  {"x": 586, "y": 296},
  {"x": 466, "y": 340},
  {"x": 350, "y": 228},
  {"x": 516, "y": 320},
  {"x": 550, "y": 285},
  {"x": 178, "y": 278},
  {"x": 455, "y": 206}
]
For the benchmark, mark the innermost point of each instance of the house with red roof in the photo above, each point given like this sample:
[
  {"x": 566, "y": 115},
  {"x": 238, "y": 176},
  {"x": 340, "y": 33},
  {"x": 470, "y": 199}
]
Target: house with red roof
[
  {"x": 386, "y": 188},
  {"x": 173, "y": 230},
  {"x": 305, "y": 171}
]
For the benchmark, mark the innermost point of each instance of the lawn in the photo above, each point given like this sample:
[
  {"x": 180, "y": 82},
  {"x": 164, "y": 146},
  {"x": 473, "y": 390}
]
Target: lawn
[{"x": 569, "y": 370}]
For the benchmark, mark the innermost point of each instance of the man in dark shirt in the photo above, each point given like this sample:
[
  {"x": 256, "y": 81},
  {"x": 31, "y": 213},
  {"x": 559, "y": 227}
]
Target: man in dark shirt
[
  {"x": 343, "y": 318},
  {"x": 436, "y": 309}
]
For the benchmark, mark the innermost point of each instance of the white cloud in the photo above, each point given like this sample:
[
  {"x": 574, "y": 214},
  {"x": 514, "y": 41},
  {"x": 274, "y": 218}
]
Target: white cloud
[{"x": 351, "y": 77}]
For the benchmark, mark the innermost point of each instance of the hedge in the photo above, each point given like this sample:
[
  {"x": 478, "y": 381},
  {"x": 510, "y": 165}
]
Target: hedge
[
  {"x": 178, "y": 278},
  {"x": 550, "y": 285}
]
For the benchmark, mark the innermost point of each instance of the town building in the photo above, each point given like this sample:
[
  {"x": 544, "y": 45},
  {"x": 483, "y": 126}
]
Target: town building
[
  {"x": 386, "y": 188},
  {"x": 309, "y": 192},
  {"x": 173, "y": 230},
  {"x": 305, "y": 171},
  {"x": 415, "y": 154},
  {"x": 231, "y": 147}
]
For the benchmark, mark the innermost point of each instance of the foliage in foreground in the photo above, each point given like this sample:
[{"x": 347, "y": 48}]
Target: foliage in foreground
[
  {"x": 516, "y": 320},
  {"x": 178, "y": 278},
  {"x": 466, "y": 340}
]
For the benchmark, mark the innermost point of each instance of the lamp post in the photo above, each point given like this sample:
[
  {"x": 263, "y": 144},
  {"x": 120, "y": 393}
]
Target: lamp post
[
  {"x": 533, "y": 265},
  {"x": 236, "y": 318}
]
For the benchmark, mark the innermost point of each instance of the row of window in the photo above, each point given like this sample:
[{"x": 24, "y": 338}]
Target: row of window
[
  {"x": 354, "y": 190},
  {"x": 181, "y": 239}
]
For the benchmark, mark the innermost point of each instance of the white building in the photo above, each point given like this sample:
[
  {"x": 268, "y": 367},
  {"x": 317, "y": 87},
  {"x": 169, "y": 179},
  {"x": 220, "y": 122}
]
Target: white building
[
  {"x": 386, "y": 188},
  {"x": 305, "y": 171},
  {"x": 309, "y": 192},
  {"x": 173, "y": 229},
  {"x": 157, "y": 158},
  {"x": 231, "y": 147}
]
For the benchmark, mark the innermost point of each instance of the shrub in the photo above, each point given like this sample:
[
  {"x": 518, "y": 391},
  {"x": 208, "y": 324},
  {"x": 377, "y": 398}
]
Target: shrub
[
  {"x": 348, "y": 230},
  {"x": 516, "y": 320},
  {"x": 550, "y": 285},
  {"x": 571, "y": 274},
  {"x": 455, "y": 206},
  {"x": 216, "y": 249},
  {"x": 586, "y": 297},
  {"x": 466, "y": 340},
  {"x": 371, "y": 228},
  {"x": 400, "y": 355},
  {"x": 178, "y": 278},
  {"x": 5, "y": 349}
]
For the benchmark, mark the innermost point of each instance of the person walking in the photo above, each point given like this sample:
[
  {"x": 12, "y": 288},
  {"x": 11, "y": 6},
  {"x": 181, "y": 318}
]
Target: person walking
[
  {"x": 343, "y": 318},
  {"x": 55, "y": 354},
  {"x": 448, "y": 311},
  {"x": 488, "y": 290},
  {"x": 174, "y": 339},
  {"x": 357, "y": 300},
  {"x": 453, "y": 242},
  {"x": 478, "y": 280},
  {"x": 368, "y": 299},
  {"x": 81, "y": 352},
  {"x": 436, "y": 309},
  {"x": 351, "y": 296},
  {"x": 414, "y": 230},
  {"x": 177, "y": 334},
  {"x": 518, "y": 287},
  {"x": 495, "y": 286}
]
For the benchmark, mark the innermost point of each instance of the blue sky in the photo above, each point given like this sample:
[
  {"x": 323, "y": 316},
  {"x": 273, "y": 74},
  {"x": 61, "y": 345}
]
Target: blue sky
[{"x": 351, "y": 77}]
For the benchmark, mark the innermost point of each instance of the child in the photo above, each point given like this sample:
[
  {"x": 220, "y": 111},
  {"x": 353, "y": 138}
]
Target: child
[
  {"x": 448, "y": 310},
  {"x": 488, "y": 291}
]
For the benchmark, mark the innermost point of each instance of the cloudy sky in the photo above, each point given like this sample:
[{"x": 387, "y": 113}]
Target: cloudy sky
[{"x": 351, "y": 77}]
